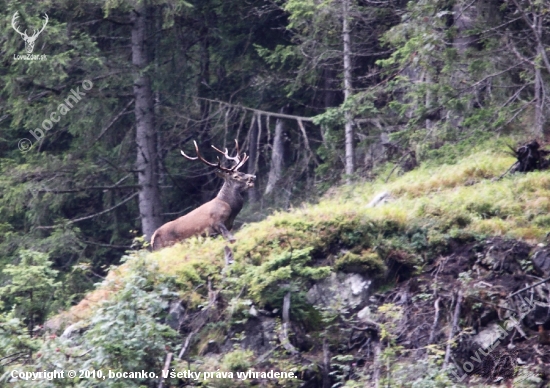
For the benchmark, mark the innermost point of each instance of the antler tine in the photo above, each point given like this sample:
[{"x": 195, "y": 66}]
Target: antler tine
[
  {"x": 237, "y": 147},
  {"x": 191, "y": 157},
  {"x": 44, "y": 26},
  {"x": 14, "y": 24},
  {"x": 188, "y": 157},
  {"x": 203, "y": 159},
  {"x": 226, "y": 154},
  {"x": 237, "y": 159},
  {"x": 241, "y": 163},
  {"x": 200, "y": 157}
]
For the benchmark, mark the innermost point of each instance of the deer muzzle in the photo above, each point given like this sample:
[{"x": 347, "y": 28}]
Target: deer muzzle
[{"x": 250, "y": 181}]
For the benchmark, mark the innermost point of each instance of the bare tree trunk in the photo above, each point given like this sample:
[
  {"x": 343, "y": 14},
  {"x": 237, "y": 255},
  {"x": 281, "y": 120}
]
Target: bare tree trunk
[
  {"x": 203, "y": 87},
  {"x": 537, "y": 33},
  {"x": 465, "y": 16},
  {"x": 326, "y": 364},
  {"x": 454, "y": 328},
  {"x": 350, "y": 159},
  {"x": 329, "y": 92},
  {"x": 253, "y": 155},
  {"x": 277, "y": 156},
  {"x": 428, "y": 81},
  {"x": 146, "y": 138},
  {"x": 376, "y": 365},
  {"x": 539, "y": 87},
  {"x": 539, "y": 101}
]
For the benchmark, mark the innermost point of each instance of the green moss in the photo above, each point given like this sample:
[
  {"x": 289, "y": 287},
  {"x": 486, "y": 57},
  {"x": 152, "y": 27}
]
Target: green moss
[
  {"x": 238, "y": 360},
  {"x": 542, "y": 221},
  {"x": 437, "y": 242},
  {"x": 367, "y": 262},
  {"x": 430, "y": 207},
  {"x": 289, "y": 267}
]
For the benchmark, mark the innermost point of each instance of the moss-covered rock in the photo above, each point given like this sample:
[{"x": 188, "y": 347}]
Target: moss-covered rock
[{"x": 366, "y": 262}]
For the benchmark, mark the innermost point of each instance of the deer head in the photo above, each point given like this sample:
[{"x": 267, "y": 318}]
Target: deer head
[
  {"x": 29, "y": 40},
  {"x": 232, "y": 176}
]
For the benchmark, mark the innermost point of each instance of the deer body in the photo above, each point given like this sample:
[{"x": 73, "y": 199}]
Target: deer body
[{"x": 214, "y": 217}]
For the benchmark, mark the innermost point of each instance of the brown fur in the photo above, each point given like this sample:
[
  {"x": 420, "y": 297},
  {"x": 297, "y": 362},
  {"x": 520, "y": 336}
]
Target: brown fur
[{"x": 212, "y": 218}]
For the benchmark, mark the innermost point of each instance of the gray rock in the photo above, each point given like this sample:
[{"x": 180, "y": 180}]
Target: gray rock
[
  {"x": 541, "y": 260},
  {"x": 488, "y": 336},
  {"x": 364, "y": 315},
  {"x": 340, "y": 289},
  {"x": 176, "y": 315},
  {"x": 380, "y": 199},
  {"x": 76, "y": 328},
  {"x": 260, "y": 335}
]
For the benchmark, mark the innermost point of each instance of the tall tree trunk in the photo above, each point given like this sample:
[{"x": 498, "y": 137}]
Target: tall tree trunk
[
  {"x": 277, "y": 156},
  {"x": 253, "y": 155},
  {"x": 539, "y": 87},
  {"x": 428, "y": 81},
  {"x": 146, "y": 139},
  {"x": 329, "y": 97},
  {"x": 464, "y": 18},
  {"x": 536, "y": 13},
  {"x": 203, "y": 88},
  {"x": 349, "y": 135}
]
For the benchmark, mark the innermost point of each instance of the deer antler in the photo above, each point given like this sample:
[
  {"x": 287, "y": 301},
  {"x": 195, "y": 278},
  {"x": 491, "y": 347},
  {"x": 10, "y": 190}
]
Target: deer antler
[
  {"x": 239, "y": 161},
  {"x": 199, "y": 156},
  {"x": 14, "y": 25},
  {"x": 35, "y": 34},
  {"x": 237, "y": 158}
]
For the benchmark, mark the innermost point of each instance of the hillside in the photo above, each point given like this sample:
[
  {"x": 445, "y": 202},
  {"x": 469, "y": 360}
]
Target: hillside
[
  {"x": 344, "y": 292},
  {"x": 383, "y": 162}
]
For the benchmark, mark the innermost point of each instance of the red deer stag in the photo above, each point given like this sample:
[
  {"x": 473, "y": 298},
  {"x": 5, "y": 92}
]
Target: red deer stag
[{"x": 214, "y": 217}]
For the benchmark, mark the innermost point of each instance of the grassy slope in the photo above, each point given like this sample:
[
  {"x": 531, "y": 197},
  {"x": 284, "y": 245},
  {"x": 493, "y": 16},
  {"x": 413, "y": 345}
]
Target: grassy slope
[
  {"x": 439, "y": 202},
  {"x": 436, "y": 213}
]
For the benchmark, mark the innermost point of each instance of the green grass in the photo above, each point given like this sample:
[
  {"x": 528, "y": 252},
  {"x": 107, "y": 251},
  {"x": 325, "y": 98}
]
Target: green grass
[{"x": 430, "y": 206}]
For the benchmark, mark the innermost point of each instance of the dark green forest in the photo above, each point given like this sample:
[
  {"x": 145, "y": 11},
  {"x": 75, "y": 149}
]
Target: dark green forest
[{"x": 331, "y": 100}]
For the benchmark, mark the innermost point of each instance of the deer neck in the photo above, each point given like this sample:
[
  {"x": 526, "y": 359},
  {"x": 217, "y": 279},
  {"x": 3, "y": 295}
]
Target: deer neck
[{"x": 230, "y": 193}]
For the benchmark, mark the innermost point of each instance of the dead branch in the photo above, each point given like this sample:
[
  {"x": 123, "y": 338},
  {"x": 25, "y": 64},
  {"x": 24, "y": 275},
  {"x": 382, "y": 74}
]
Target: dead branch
[
  {"x": 283, "y": 334},
  {"x": 454, "y": 326},
  {"x": 434, "y": 325},
  {"x": 397, "y": 165},
  {"x": 506, "y": 172},
  {"x": 90, "y": 216},
  {"x": 261, "y": 112},
  {"x": 326, "y": 364},
  {"x": 113, "y": 120},
  {"x": 516, "y": 114},
  {"x": 201, "y": 320},
  {"x": 186, "y": 344},
  {"x": 527, "y": 288},
  {"x": 376, "y": 365},
  {"x": 165, "y": 369},
  {"x": 306, "y": 141},
  {"x": 240, "y": 125}
]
